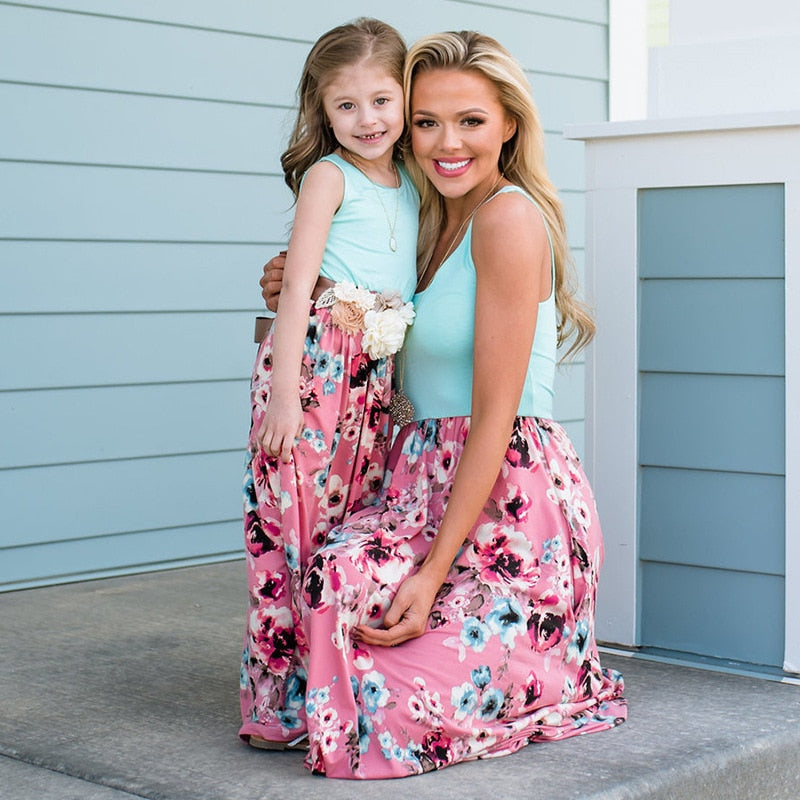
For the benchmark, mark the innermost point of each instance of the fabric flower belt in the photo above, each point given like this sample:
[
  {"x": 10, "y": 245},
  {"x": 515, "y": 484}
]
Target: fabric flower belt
[{"x": 381, "y": 316}]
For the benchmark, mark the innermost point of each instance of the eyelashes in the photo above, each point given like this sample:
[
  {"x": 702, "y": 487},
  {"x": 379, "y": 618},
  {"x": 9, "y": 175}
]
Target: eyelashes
[{"x": 467, "y": 122}]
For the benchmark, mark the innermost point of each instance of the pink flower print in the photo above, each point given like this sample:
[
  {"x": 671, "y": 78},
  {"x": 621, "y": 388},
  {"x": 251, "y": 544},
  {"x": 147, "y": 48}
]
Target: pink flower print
[
  {"x": 335, "y": 498},
  {"x": 546, "y": 623},
  {"x": 503, "y": 554},
  {"x": 273, "y": 638},
  {"x": 261, "y": 535},
  {"x": 271, "y": 585}
]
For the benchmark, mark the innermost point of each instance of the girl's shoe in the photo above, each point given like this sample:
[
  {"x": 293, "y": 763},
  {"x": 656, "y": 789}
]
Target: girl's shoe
[{"x": 300, "y": 743}]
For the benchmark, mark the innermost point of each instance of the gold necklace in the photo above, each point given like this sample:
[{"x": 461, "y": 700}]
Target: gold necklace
[
  {"x": 401, "y": 409},
  {"x": 393, "y": 222},
  {"x": 451, "y": 246}
]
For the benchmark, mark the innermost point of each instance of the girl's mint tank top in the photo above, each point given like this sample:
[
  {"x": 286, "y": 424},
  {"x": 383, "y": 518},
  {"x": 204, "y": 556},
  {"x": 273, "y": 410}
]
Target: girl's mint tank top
[
  {"x": 438, "y": 349},
  {"x": 357, "y": 249}
]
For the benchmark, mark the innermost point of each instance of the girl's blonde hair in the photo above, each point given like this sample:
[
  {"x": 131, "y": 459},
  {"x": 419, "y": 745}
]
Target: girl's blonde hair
[
  {"x": 521, "y": 161},
  {"x": 312, "y": 137}
]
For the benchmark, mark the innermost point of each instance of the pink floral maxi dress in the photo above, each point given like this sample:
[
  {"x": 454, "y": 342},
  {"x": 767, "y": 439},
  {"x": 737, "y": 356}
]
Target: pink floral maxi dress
[
  {"x": 509, "y": 654},
  {"x": 337, "y": 465}
]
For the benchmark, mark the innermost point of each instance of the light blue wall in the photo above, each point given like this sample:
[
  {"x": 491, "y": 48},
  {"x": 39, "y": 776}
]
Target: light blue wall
[
  {"x": 711, "y": 427},
  {"x": 140, "y": 196}
]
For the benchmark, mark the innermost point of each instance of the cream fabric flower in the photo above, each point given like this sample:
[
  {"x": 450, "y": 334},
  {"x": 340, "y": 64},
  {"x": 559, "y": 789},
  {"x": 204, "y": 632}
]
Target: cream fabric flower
[
  {"x": 383, "y": 332},
  {"x": 350, "y": 293}
]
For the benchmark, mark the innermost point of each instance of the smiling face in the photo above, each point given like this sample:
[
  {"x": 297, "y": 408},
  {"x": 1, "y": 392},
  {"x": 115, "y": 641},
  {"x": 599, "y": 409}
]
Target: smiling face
[
  {"x": 458, "y": 127},
  {"x": 364, "y": 106}
]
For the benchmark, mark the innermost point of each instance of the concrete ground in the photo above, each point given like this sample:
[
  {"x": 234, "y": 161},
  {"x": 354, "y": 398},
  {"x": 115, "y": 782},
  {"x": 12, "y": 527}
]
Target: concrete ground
[{"x": 127, "y": 688}]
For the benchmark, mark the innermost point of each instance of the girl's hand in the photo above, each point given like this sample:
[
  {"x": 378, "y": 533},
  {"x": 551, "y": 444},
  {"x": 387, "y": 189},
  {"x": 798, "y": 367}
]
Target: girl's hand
[
  {"x": 282, "y": 424},
  {"x": 408, "y": 616}
]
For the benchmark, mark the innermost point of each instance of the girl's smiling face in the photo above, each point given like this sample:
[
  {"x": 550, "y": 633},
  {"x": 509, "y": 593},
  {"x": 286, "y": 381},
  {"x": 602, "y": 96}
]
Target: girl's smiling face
[
  {"x": 458, "y": 127},
  {"x": 364, "y": 106}
]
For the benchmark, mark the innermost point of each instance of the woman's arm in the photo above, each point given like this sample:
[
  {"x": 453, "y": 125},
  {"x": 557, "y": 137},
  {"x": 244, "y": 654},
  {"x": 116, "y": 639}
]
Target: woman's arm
[
  {"x": 320, "y": 196},
  {"x": 512, "y": 260}
]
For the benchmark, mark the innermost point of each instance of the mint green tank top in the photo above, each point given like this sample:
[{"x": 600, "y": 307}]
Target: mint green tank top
[
  {"x": 438, "y": 350},
  {"x": 357, "y": 248}
]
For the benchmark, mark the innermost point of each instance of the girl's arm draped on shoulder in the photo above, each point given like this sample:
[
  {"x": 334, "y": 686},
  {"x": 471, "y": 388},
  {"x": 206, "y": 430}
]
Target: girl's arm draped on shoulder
[
  {"x": 320, "y": 196},
  {"x": 512, "y": 261}
]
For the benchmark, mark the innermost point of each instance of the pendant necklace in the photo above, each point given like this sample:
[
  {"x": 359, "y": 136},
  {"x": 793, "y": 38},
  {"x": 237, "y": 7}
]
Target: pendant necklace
[
  {"x": 401, "y": 409},
  {"x": 390, "y": 221}
]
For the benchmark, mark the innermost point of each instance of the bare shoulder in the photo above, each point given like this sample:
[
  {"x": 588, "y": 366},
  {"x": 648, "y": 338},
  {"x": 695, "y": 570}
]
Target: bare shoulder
[
  {"x": 322, "y": 174},
  {"x": 509, "y": 215},
  {"x": 323, "y": 185},
  {"x": 509, "y": 238}
]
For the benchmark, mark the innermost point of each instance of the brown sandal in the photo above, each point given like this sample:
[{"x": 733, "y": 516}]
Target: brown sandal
[{"x": 301, "y": 743}]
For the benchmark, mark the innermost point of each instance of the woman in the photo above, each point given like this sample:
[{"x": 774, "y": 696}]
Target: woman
[{"x": 454, "y": 619}]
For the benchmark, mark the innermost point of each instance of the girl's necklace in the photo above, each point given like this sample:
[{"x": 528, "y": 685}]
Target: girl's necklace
[
  {"x": 391, "y": 222},
  {"x": 401, "y": 409}
]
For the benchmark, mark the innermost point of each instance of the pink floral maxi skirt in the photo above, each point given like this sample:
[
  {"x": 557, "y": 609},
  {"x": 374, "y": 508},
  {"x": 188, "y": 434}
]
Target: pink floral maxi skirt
[
  {"x": 509, "y": 655},
  {"x": 336, "y": 468}
]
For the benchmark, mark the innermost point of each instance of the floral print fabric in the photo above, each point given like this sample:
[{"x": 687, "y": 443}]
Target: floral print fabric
[
  {"x": 509, "y": 655},
  {"x": 336, "y": 468}
]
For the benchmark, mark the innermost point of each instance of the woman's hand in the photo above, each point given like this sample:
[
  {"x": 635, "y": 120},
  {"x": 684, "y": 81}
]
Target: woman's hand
[
  {"x": 272, "y": 280},
  {"x": 282, "y": 424},
  {"x": 408, "y": 616}
]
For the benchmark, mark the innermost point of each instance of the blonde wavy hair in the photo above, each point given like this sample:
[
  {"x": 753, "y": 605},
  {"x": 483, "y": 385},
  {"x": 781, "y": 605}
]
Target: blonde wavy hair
[
  {"x": 522, "y": 162},
  {"x": 312, "y": 137}
]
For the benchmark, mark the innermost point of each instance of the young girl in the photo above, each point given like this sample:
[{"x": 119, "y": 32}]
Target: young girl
[{"x": 322, "y": 379}]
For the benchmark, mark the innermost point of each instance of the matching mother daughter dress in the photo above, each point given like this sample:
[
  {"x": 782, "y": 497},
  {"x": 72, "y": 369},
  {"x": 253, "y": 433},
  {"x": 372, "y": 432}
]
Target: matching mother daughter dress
[{"x": 509, "y": 655}]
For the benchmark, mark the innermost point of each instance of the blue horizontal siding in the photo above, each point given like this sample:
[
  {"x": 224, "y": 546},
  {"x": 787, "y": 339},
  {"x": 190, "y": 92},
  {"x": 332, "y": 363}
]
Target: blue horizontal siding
[
  {"x": 140, "y": 551},
  {"x": 115, "y": 422},
  {"x": 58, "y": 277},
  {"x": 102, "y": 349},
  {"x": 713, "y": 519},
  {"x": 712, "y": 326},
  {"x": 712, "y": 232},
  {"x": 712, "y": 420},
  {"x": 146, "y": 195},
  {"x": 79, "y": 202},
  {"x": 95, "y": 128},
  {"x": 48, "y": 504},
  {"x": 718, "y": 613},
  {"x": 717, "y": 422}
]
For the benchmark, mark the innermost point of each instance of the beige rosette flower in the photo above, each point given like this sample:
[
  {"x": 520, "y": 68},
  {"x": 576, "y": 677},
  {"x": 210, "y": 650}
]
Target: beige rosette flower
[{"x": 349, "y": 317}]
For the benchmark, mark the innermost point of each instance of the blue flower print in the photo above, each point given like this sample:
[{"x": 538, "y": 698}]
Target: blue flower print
[
  {"x": 337, "y": 368},
  {"x": 491, "y": 703},
  {"x": 321, "y": 478},
  {"x": 506, "y": 618},
  {"x": 328, "y": 387},
  {"x": 475, "y": 634},
  {"x": 292, "y": 556},
  {"x": 365, "y": 728},
  {"x": 289, "y": 718},
  {"x": 354, "y": 685},
  {"x": 243, "y": 679},
  {"x": 323, "y": 363},
  {"x": 464, "y": 699},
  {"x": 579, "y": 642},
  {"x": 481, "y": 676},
  {"x": 317, "y": 698},
  {"x": 373, "y": 691},
  {"x": 296, "y": 689},
  {"x": 550, "y": 548},
  {"x": 386, "y": 741}
]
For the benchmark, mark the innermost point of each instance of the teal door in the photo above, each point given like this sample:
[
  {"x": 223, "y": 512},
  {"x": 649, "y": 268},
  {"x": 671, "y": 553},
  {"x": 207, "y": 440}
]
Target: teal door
[{"x": 711, "y": 426}]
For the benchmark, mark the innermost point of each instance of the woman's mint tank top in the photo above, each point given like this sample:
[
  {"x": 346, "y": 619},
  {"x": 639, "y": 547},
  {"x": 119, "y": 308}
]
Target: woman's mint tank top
[
  {"x": 357, "y": 248},
  {"x": 438, "y": 349}
]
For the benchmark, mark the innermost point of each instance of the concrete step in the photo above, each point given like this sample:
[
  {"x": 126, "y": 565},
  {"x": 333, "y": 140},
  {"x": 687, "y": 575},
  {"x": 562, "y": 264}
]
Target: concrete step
[{"x": 128, "y": 687}]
